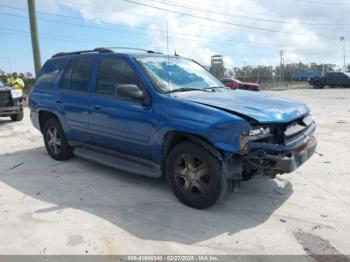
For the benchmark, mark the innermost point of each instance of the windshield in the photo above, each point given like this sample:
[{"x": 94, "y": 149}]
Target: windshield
[
  {"x": 175, "y": 73},
  {"x": 347, "y": 74}
]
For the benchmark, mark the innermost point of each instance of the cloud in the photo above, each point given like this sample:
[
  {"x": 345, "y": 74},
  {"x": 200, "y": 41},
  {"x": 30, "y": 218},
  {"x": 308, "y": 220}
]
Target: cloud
[{"x": 200, "y": 39}]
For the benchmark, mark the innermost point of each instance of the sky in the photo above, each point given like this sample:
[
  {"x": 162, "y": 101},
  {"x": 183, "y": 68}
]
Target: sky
[{"x": 245, "y": 32}]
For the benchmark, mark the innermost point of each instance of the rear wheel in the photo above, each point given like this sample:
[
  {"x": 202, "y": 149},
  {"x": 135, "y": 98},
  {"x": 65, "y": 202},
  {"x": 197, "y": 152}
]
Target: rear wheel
[
  {"x": 318, "y": 85},
  {"x": 17, "y": 117},
  {"x": 55, "y": 141},
  {"x": 195, "y": 176}
]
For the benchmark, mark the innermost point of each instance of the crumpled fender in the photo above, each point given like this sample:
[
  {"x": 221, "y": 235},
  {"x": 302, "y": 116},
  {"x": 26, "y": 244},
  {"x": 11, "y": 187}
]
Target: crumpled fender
[{"x": 226, "y": 136}]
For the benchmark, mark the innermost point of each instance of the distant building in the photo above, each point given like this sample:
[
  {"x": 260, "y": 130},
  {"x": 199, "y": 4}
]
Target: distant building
[
  {"x": 217, "y": 60},
  {"x": 217, "y": 66},
  {"x": 304, "y": 75}
]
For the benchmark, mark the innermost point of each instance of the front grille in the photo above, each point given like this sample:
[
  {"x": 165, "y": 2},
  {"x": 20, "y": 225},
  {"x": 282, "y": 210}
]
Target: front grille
[
  {"x": 296, "y": 128},
  {"x": 5, "y": 98}
]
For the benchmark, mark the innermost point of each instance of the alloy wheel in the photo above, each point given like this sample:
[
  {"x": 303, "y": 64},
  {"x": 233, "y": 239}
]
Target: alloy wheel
[
  {"x": 54, "y": 140},
  {"x": 192, "y": 175}
]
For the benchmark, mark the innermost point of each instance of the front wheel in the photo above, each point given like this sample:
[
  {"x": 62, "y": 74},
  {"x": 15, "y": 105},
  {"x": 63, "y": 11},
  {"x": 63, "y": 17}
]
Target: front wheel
[
  {"x": 195, "y": 176},
  {"x": 17, "y": 117},
  {"x": 55, "y": 141},
  {"x": 318, "y": 85}
]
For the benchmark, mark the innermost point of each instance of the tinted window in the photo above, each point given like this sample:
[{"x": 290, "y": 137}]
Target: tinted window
[
  {"x": 81, "y": 74},
  {"x": 334, "y": 75},
  {"x": 65, "y": 82},
  {"x": 114, "y": 72},
  {"x": 49, "y": 73}
]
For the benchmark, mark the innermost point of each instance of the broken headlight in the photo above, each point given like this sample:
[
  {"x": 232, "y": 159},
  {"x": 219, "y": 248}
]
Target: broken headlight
[
  {"x": 259, "y": 132},
  {"x": 15, "y": 93}
]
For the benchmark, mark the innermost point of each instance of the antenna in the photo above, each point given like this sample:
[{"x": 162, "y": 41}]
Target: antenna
[
  {"x": 167, "y": 47},
  {"x": 167, "y": 38}
]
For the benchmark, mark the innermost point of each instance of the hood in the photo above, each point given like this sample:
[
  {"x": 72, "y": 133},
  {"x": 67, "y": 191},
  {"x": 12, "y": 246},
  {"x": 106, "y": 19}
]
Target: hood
[
  {"x": 251, "y": 84},
  {"x": 260, "y": 107},
  {"x": 5, "y": 88}
]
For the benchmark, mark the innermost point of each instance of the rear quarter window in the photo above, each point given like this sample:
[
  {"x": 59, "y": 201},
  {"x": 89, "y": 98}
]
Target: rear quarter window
[
  {"x": 49, "y": 73},
  {"x": 81, "y": 75}
]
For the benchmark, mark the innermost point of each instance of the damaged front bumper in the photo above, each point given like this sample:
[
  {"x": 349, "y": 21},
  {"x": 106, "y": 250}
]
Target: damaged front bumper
[
  {"x": 272, "y": 159},
  {"x": 287, "y": 162}
]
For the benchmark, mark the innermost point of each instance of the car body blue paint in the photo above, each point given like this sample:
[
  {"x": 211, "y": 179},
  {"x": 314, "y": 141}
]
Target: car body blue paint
[
  {"x": 261, "y": 107},
  {"x": 139, "y": 129}
]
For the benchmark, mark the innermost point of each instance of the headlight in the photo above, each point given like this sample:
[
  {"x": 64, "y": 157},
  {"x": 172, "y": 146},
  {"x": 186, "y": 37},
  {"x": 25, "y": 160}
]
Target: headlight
[
  {"x": 243, "y": 141},
  {"x": 259, "y": 132},
  {"x": 16, "y": 93}
]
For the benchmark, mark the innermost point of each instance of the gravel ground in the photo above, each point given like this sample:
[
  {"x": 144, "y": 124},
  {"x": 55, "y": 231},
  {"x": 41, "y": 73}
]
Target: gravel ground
[{"x": 79, "y": 207}]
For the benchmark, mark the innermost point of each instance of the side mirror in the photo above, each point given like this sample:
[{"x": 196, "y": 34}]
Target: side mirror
[{"x": 130, "y": 91}]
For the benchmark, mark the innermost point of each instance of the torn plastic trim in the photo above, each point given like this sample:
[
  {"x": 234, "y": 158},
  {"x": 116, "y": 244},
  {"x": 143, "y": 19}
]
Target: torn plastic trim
[
  {"x": 232, "y": 165},
  {"x": 292, "y": 145},
  {"x": 281, "y": 163}
]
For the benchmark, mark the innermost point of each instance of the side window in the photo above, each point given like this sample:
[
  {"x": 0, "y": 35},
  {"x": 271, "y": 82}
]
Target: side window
[
  {"x": 81, "y": 74},
  {"x": 114, "y": 72},
  {"x": 65, "y": 82},
  {"x": 49, "y": 73},
  {"x": 331, "y": 76}
]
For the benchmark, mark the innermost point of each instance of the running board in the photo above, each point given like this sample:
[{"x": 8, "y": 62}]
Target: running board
[{"x": 124, "y": 163}]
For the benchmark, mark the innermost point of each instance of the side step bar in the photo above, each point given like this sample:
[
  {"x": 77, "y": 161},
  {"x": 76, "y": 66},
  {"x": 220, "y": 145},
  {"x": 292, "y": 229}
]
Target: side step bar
[{"x": 121, "y": 162}]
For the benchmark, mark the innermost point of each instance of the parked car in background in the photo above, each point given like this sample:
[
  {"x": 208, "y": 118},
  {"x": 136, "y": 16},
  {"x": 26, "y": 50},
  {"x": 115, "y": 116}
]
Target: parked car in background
[
  {"x": 331, "y": 79},
  {"x": 158, "y": 115},
  {"x": 304, "y": 75},
  {"x": 10, "y": 102},
  {"x": 237, "y": 84}
]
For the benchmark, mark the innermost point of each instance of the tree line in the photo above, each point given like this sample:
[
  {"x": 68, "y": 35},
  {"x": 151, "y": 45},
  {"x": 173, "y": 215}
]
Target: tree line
[{"x": 262, "y": 74}]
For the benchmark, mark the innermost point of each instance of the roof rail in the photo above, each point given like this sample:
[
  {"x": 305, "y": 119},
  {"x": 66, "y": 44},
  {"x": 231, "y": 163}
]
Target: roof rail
[
  {"x": 96, "y": 50},
  {"x": 137, "y": 49}
]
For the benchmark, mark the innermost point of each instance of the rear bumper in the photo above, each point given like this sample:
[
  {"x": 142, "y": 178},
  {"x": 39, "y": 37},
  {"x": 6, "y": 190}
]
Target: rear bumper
[
  {"x": 11, "y": 110},
  {"x": 34, "y": 117},
  {"x": 283, "y": 162}
]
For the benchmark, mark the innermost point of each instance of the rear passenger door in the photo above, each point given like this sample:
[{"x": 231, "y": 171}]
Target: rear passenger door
[
  {"x": 118, "y": 124},
  {"x": 75, "y": 98}
]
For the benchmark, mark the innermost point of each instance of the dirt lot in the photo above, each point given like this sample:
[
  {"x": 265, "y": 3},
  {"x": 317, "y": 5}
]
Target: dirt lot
[{"x": 78, "y": 207}]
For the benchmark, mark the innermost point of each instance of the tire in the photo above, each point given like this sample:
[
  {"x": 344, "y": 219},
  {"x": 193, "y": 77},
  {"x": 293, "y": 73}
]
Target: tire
[
  {"x": 198, "y": 189},
  {"x": 17, "y": 117},
  {"x": 318, "y": 85},
  {"x": 55, "y": 141}
]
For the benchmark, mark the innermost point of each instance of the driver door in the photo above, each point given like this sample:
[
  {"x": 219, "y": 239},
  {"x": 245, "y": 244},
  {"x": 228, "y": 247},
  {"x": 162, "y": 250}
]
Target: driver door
[{"x": 116, "y": 123}]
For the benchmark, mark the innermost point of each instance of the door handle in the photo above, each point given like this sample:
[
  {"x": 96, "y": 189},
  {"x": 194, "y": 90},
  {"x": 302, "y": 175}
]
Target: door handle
[
  {"x": 97, "y": 107},
  {"x": 58, "y": 101}
]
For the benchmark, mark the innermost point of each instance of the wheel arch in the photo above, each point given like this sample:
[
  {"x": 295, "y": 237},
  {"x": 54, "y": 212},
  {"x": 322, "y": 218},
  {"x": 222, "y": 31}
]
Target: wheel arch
[
  {"x": 174, "y": 138},
  {"x": 45, "y": 115},
  {"x": 232, "y": 165}
]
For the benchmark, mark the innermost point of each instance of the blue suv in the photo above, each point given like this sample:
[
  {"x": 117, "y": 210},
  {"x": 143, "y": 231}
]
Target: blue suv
[{"x": 158, "y": 115}]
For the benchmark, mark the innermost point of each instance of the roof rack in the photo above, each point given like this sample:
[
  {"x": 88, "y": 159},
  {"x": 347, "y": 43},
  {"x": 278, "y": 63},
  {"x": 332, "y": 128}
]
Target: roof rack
[
  {"x": 132, "y": 48},
  {"x": 103, "y": 50},
  {"x": 96, "y": 50}
]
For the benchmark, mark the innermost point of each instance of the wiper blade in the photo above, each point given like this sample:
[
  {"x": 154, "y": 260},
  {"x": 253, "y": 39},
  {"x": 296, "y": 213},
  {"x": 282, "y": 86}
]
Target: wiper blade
[{"x": 187, "y": 89}]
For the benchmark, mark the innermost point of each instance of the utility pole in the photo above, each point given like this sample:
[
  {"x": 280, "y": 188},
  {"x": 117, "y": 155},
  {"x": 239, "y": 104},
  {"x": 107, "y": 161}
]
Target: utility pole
[
  {"x": 322, "y": 69},
  {"x": 281, "y": 65},
  {"x": 34, "y": 36},
  {"x": 342, "y": 39}
]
